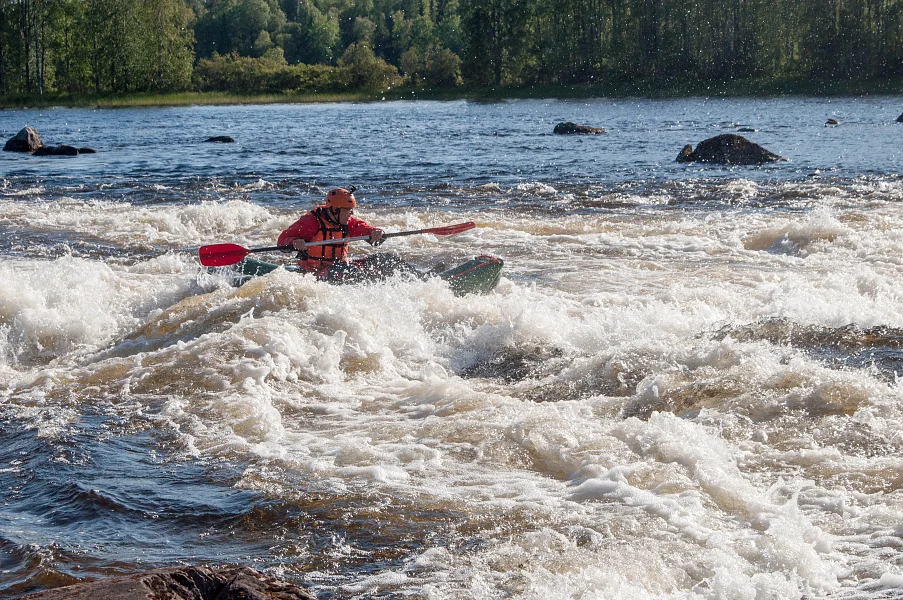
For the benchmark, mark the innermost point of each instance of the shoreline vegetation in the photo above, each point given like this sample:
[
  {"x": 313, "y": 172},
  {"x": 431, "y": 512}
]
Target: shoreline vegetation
[
  {"x": 114, "y": 53},
  {"x": 641, "y": 89}
]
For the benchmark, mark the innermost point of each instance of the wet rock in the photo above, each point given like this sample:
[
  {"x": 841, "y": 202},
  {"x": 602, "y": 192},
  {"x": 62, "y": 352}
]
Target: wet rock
[
  {"x": 900, "y": 119},
  {"x": 567, "y": 128},
  {"x": 686, "y": 155},
  {"x": 27, "y": 140},
  {"x": 182, "y": 583},
  {"x": 728, "y": 149},
  {"x": 87, "y": 150},
  {"x": 747, "y": 130},
  {"x": 61, "y": 150},
  {"x": 830, "y": 122},
  {"x": 513, "y": 364},
  {"x": 220, "y": 139}
]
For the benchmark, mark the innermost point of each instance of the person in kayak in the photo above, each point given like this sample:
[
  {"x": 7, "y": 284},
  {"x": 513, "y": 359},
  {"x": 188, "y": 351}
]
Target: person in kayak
[{"x": 331, "y": 221}]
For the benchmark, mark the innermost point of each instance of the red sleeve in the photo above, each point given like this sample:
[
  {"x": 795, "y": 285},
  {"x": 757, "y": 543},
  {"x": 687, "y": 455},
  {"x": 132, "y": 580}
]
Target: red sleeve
[
  {"x": 305, "y": 228},
  {"x": 358, "y": 227}
]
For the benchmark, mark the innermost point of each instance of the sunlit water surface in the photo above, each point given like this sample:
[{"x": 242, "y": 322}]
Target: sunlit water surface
[{"x": 685, "y": 385}]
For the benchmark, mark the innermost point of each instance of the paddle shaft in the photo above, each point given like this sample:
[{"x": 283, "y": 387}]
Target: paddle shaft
[
  {"x": 359, "y": 238},
  {"x": 237, "y": 250},
  {"x": 220, "y": 255}
]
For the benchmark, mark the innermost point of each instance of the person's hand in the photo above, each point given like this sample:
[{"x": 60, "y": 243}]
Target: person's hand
[
  {"x": 376, "y": 237},
  {"x": 299, "y": 244}
]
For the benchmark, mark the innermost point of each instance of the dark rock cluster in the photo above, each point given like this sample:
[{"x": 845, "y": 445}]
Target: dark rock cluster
[
  {"x": 728, "y": 149},
  {"x": 182, "y": 583},
  {"x": 61, "y": 150},
  {"x": 568, "y": 128},
  {"x": 29, "y": 140}
]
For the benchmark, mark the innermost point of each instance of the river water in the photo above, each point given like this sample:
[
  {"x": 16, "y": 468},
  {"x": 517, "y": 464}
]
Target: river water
[{"x": 685, "y": 385}]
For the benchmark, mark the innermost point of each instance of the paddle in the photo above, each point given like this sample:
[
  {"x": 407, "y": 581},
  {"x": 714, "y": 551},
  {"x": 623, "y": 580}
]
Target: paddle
[{"x": 223, "y": 255}]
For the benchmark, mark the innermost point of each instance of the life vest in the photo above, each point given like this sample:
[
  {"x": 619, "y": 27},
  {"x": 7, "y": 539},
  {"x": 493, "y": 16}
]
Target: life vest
[{"x": 321, "y": 257}]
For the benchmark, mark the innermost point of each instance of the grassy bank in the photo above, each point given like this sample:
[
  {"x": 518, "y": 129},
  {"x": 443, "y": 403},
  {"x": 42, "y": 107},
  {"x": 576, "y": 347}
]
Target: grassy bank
[
  {"x": 675, "y": 88},
  {"x": 171, "y": 99}
]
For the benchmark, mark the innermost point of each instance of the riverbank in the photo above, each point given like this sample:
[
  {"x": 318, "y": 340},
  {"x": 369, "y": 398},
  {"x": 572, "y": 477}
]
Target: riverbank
[
  {"x": 171, "y": 99},
  {"x": 675, "y": 88}
]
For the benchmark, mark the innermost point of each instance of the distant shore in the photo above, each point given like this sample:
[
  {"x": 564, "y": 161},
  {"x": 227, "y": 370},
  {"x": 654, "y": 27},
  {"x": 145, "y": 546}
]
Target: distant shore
[{"x": 642, "y": 89}]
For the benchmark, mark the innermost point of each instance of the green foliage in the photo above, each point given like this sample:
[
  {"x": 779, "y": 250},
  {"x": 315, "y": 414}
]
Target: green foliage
[
  {"x": 313, "y": 39},
  {"x": 236, "y": 26},
  {"x": 437, "y": 67},
  {"x": 495, "y": 40},
  {"x": 269, "y": 74},
  {"x": 363, "y": 30},
  {"x": 448, "y": 30},
  {"x": 367, "y": 71},
  {"x": 136, "y": 46}
]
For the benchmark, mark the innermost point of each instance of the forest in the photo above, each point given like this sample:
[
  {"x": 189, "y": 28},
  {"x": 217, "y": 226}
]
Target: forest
[{"x": 296, "y": 46}]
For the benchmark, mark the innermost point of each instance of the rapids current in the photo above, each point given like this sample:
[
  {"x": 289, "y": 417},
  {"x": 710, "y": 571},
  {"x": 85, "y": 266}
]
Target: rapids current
[{"x": 685, "y": 385}]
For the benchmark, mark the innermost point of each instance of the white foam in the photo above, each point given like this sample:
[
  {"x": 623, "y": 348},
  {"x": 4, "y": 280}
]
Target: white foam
[
  {"x": 668, "y": 460},
  {"x": 535, "y": 187},
  {"x": 49, "y": 308}
]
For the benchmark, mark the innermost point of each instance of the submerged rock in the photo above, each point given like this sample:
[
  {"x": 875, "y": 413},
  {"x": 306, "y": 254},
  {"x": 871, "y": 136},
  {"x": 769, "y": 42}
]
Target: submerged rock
[
  {"x": 566, "y": 128},
  {"x": 728, "y": 149},
  {"x": 61, "y": 150},
  {"x": 220, "y": 139},
  {"x": 27, "y": 140},
  {"x": 182, "y": 583}
]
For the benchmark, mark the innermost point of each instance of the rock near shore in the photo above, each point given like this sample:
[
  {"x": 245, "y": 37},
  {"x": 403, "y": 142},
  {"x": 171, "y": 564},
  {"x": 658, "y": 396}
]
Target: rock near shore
[
  {"x": 728, "y": 149},
  {"x": 27, "y": 140},
  {"x": 183, "y": 583},
  {"x": 568, "y": 128},
  {"x": 61, "y": 150}
]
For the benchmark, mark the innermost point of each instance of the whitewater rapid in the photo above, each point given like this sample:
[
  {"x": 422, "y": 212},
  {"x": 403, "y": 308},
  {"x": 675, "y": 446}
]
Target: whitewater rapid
[{"x": 652, "y": 404}]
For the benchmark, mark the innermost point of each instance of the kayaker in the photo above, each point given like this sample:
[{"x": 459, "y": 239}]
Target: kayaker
[{"x": 329, "y": 221}]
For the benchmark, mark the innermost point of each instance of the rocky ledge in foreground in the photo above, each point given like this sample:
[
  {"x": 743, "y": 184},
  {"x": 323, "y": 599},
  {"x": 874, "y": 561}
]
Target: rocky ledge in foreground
[
  {"x": 182, "y": 583},
  {"x": 728, "y": 149},
  {"x": 568, "y": 128}
]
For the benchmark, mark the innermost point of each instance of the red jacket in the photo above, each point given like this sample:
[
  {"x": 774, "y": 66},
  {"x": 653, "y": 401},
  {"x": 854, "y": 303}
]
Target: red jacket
[{"x": 311, "y": 228}]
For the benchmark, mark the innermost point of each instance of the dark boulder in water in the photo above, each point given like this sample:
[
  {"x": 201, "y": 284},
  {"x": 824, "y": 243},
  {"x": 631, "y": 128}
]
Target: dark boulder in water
[
  {"x": 220, "y": 139},
  {"x": 728, "y": 149},
  {"x": 61, "y": 150},
  {"x": 27, "y": 140},
  {"x": 686, "y": 155},
  {"x": 832, "y": 122},
  {"x": 87, "y": 150},
  {"x": 900, "y": 119},
  {"x": 182, "y": 583},
  {"x": 568, "y": 128}
]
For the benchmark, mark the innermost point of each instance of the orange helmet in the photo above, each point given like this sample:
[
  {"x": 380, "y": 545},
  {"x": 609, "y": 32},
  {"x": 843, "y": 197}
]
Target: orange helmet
[{"x": 340, "y": 198}]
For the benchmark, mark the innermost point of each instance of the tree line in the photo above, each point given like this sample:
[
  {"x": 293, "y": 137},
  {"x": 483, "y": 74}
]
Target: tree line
[{"x": 125, "y": 46}]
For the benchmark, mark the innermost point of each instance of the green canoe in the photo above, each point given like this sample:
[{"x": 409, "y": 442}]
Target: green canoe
[{"x": 478, "y": 275}]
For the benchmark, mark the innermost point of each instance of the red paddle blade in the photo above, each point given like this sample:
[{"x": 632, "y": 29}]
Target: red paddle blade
[
  {"x": 221, "y": 255},
  {"x": 451, "y": 229}
]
